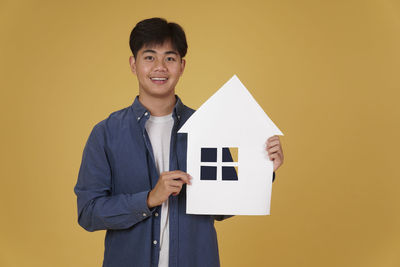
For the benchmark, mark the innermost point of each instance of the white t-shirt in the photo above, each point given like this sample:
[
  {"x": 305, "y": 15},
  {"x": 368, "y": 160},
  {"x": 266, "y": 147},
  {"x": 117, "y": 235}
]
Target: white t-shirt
[{"x": 159, "y": 130}]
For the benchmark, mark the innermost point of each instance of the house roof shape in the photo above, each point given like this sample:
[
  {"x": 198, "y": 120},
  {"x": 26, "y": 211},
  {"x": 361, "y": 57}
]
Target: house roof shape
[{"x": 231, "y": 108}]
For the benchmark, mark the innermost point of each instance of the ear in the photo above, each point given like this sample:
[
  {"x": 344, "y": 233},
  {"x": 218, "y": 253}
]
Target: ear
[
  {"x": 132, "y": 64},
  {"x": 183, "y": 64}
]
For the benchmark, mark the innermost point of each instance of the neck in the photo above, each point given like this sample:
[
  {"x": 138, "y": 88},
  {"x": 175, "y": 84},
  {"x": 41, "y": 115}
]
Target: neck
[{"x": 158, "y": 106}]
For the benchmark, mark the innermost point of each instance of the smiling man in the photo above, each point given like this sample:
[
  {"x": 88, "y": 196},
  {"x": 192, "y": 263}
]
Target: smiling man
[{"x": 132, "y": 180}]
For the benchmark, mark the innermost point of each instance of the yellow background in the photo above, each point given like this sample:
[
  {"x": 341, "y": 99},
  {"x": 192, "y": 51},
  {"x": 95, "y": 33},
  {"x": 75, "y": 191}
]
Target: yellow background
[{"x": 327, "y": 73}]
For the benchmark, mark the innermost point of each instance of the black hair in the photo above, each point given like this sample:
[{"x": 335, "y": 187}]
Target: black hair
[{"x": 155, "y": 31}]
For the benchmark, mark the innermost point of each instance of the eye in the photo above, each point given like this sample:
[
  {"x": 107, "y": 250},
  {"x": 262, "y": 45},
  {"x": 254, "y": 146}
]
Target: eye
[
  {"x": 148, "y": 57},
  {"x": 171, "y": 59}
]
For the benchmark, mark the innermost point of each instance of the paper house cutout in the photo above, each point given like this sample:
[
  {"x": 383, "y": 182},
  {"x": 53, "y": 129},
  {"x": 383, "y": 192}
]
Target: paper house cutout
[{"x": 231, "y": 118}]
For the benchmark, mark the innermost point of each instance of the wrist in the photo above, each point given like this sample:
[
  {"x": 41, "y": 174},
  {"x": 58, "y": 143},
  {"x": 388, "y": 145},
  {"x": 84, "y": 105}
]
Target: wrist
[{"x": 151, "y": 203}]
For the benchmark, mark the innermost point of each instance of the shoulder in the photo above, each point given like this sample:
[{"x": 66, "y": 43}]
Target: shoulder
[
  {"x": 115, "y": 122},
  {"x": 186, "y": 113}
]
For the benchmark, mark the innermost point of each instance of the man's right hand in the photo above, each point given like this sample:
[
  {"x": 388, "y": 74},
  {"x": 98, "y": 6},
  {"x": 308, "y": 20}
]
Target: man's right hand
[{"x": 168, "y": 183}]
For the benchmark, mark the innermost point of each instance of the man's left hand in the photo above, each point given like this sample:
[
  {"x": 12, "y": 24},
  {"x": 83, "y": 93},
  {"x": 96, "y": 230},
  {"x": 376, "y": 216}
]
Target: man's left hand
[{"x": 275, "y": 152}]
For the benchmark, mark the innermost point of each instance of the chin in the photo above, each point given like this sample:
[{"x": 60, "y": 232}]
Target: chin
[{"x": 160, "y": 94}]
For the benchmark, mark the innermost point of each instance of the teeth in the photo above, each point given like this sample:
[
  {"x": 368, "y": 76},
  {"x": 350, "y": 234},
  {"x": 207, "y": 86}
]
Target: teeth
[{"x": 159, "y": 79}]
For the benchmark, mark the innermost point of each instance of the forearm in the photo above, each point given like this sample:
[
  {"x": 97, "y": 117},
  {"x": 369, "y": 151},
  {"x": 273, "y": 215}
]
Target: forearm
[
  {"x": 98, "y": 208},
  {"x": 113, "y": 212}
]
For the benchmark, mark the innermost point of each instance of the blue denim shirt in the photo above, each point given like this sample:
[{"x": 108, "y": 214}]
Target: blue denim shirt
[{"x": 115, "y": 177}]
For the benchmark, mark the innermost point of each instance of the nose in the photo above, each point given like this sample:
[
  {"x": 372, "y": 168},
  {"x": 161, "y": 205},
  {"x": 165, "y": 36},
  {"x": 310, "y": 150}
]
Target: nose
[{"x": 160, "y": 65}]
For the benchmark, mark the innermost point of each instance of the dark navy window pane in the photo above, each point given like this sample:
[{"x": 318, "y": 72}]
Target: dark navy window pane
[
  {"x": 208, "y": 173},
  {"x": 208, "y": 155},
  {"x": 226, "y": 155},
  {"x": 229, "y": 173}
]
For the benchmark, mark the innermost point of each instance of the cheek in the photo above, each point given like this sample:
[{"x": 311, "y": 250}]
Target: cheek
[
  {"x": 142, "y": 74},
  {"x": 142, "y": 69},
  {"x": 177, "y": 71}
]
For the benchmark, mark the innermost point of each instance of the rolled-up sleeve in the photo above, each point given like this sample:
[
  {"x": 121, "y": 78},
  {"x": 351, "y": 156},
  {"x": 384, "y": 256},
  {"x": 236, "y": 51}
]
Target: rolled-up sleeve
[{"x": 98, "y": 209}]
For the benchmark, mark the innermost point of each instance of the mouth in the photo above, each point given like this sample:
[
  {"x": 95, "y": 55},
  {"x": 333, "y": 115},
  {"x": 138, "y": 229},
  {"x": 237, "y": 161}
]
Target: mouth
[{"x": 159, "y": 80}]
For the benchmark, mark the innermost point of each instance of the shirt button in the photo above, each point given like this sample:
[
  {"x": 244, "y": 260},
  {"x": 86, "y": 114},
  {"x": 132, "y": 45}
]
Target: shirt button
[
  {"x": 155, "y": 242},
  {"x": 146, "y": 114},
  {"x": 138, "y": 118},
  {"x": 144, "y": 214},
  {"x": 156, "y": 214}
]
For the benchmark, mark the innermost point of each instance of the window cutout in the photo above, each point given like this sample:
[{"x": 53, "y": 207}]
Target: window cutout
[
  {"x": 208, "y": 173},
  {"x": 229, "y": 173},
  {"x": 230, "y": 154},
  {"x": 208, "y": 155}
]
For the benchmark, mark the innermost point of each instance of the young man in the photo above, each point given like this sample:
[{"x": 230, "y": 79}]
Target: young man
[{"x": 132, "y": 180}]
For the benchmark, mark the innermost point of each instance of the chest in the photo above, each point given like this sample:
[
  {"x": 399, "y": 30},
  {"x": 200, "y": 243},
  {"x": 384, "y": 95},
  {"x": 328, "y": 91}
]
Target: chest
[{"x": 132, "y": 162}]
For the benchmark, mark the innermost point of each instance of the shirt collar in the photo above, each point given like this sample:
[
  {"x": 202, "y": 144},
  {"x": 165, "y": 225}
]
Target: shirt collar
[{"x": 140, "y": 111}]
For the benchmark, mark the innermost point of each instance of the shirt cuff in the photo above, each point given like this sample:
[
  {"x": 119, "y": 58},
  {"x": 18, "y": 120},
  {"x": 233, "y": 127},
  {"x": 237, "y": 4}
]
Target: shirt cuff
[{"x": 139, "y": 203}]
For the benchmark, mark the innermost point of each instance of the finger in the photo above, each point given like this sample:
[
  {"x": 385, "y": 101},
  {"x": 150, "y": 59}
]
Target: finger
[
  {"x": 273, "y": 143},
  {"x": 273, "y": 150},
  {"x": 277, "y": 160},
  {"x": 173, "y": 175},
  {"x": 277, "y": 154},
  {"x": 272, "y": 138},
  {"x": 176, "y": 190},
  {"x": 177, "y": 174},
  {"x": 273, "y": 156},
  {"x": 184, "y": 178},
  {"x": 175, "y": 183}
]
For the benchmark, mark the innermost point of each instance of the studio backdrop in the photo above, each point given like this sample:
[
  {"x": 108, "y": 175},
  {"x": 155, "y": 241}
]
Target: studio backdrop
[{"x": 326, "y": 72}]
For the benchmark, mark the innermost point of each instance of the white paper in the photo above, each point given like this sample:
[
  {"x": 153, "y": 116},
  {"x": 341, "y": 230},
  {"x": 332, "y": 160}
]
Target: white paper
[{"x": 230, "y": 118}]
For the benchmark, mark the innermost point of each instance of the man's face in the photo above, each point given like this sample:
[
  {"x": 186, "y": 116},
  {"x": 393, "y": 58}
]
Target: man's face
[{"x": 158, "y": 69}]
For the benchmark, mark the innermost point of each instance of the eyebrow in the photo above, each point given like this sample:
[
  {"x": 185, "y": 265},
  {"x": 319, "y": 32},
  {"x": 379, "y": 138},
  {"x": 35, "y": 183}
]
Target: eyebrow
[{"x": 154, "y": 52}]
